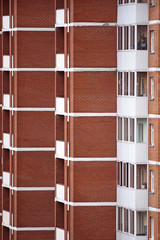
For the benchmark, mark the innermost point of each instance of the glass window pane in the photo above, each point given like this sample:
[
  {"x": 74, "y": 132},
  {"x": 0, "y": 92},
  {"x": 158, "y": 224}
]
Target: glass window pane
[
  {"x": 119, "y": 128},
  {"x": 126, "y": 83},
  {"x": 119, "y": 83},
  {"x": 125, "y": 129},
  {"x": 132, "y": 76},
  {"x": 131, "y": 129}
]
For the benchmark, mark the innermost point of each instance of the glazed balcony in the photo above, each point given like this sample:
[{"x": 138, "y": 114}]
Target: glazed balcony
[
  {"x": 6, "y": 23},
  {"x": 6, "y": 101}
]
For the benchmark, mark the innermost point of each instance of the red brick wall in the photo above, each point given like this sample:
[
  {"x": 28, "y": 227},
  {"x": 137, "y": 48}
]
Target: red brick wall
[
  {"x": 37, "y": 235},
  {"x": 93, "y": 137},
  {"x": 93, "y": 92},
  {"x": 93, "y": 47},
  {"x": 92, "y": 181},
  {"x": 154, "y": 59}
]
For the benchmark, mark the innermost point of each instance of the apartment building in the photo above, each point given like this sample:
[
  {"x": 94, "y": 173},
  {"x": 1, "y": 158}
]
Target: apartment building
[{"x": 80, "y": 119}]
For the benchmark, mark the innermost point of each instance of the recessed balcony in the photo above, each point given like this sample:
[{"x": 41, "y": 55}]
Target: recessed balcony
[
  {"x": 60, "y": 105},
  {"x": 6, "y": 140},
  {"x": 6, "y": 101},
  {"x": 60, "y": 17},
  {"x": 6, "y": 179},
  {"x": 6, "y": 62},
  {"x": 60, "y": 62},
  {"x": 60, "y": 192},
  {"x": 136, "y": 13},
  {"x": 60, "y": 146},
  {"x": 6, "y": 218},
  {"x": 6, "y": 23}
]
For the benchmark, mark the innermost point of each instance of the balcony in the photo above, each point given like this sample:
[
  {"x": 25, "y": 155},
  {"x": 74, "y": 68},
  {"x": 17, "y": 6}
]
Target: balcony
[
  {"x": 6, "y": 23},
  {"x": 6, "y": 101},
  {"x": 60, "y": 192},
  {"x": 132, "y": 60},
  {"x": 6, "y": 218},
  {"x": 6, "y": 140},
  {"x": 132, "y": 198},
  {"x": 127, "y": 236},
  {"x": 132, "y": 106},
  {"x": 60, "y": 17},
  {"x": 6, "y": 179},
  {"x": 60, "y": 62},
  {"x": 60, "y": 149},
  {"x": 60, "y": 105},
  {"x": 6, "y": 62},
  {"x": 132, "y": 152},
  {"x": 136, "y": 13}
]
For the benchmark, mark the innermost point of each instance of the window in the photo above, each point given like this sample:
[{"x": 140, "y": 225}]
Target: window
[
  {"x": 120, "y": 83},
  {"x": 152, "y": 41},
  {"x": 126, "y": 83},
  {"x": 120, "y": 221},
  {"x": 152, "y": 134},
  {"x": 120, "y": 173},
  {"x": 131, "y": 129},
  {"x": 126, "y": 175},
  {"x": 131, "y": 222},
  {"x": 152, "y": 227},
  {"x": 152, "y": 181},
  {"x": 131, "y": 175},
  {"x": 125, "y": 220},
  {"x": 152, "y": 88},
  {"x": 119, "y": 128},
  {"x": 152, "y": 2},
  {"x": 141, "y": 37},
  {"x": 120, "y": 2},
  {"x": 132, "y": 37},
  {"x": 132, "y": 83},
  {"x": 125, "y": 38},
  {"x": 120, "y": 39},
  {"x": 125, "y": 129},
  {"x": 141, "y": 84}
]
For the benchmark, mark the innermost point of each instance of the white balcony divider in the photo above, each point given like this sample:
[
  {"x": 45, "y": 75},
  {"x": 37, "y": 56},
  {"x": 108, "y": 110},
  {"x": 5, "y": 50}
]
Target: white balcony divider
[
  {"x": 60, "y": 17},
  {"x": 59, "y": 234},
  {"x": 6, "y": 178},
  {"x": 6, "y": 23},
  {"x": 60, "y": 61},
  {"x": 6, "y": 62},
  {"x": 60, "y": 192},
  {"x": 6, "y": 140},
  {"x": 6, "y": 100},
  {"x": 60, "y": 149},
  {"x": 6, "y": 218}
]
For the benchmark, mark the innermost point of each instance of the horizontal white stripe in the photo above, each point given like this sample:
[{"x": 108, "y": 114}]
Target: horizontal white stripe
[
  {"x": 87, "y": 204},
  {"x": 29, "y": 228},
  {"x": 154, "y": 22},
  {"x": 34, "y": 29},
  {"x": 153, "y": 209},
  {"x": 154, "y": 69},
  {"x": 92, "y": 24},
  {"x": 30, "y": 109},
  {"x": 0, "y": 214},
  {"x": 29, "y": 188},
  {"x": 87, "y": 114},
  {"x": 28, "y": 149},
  {"x": 153, "y": 116},
  {"x": 153, "y": 162},
  {"x": 93, "y": 69},
  {"x": 86, "y": 159},
  {"x": 30, "y": 69}
]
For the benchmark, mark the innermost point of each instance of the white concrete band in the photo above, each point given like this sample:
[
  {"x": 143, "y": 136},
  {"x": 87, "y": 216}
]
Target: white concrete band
[
  {"x": 87, "y": 204},
  {"x": 29, "y": 188},
  {"x": 92, "y": 69},
  {"x": 30, "y": 69},
  {"x": 92, "y": 24},
  {"x": 154, "y": 22},
  {"x": 29, "y": 228},
  {"x": 153, "y": 116},
  {"x": 100, "y": 159},
  {"x": 87, "y": 114},
  {"x": 154, "y": 163},
  {"x": 34, "y": 29},
  {"x": 151, "y": 209},
  {"x": 29, "y": 149},
  {"x": 29, "y": 109},
  {"x": 154, "y": 69}
]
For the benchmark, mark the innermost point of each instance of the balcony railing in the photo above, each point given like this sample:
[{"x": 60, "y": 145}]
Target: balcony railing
[
  {"x": 6, "y": 140},
  {"x": 60, "y": 149},
  {"x": 60, "y": 192},
  {"x": 60, "y": 105},
  {"x": 6, "y": 100},
  {"x": 60, "y": 61},
  {"x": 6, "y": 62},
  {"x": 6, "y": 179},
  {"x": 6, "y": 23},
  {"x": 60, "y": 17},
  {"x": 6, "y": 218}
]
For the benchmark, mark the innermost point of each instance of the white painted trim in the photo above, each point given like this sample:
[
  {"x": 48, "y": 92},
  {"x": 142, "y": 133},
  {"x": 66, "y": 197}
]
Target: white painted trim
[
  {"x": 154, "y": 69},
  {"x": 30, "y": 109},
  {"x": 0, "y": 141},
  {"x": 87, "y": 114},
  {"x": 29, "y": 188},
  {"x": 30, "y": 69},
  {"x": 1, "y": 178},
  {"x": 152, "y": 209},
  {"x": 34, "y": 29},
  {"x": 154, "y": 163},
  {"x": 92, "y": 24},
  {"x": 29, "y": 228},
  {"x": 153, "y": 116},
  {"x": 87, "y": 204},
  {"x": 1, "y": 105},
  {"x": 87, "y": 159},
  {"x": 154, "y": 22},
  {"x": 0, "y": 214},
  {"x": 92, "y": 69},
  {"x": 21, "y": 149}
]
